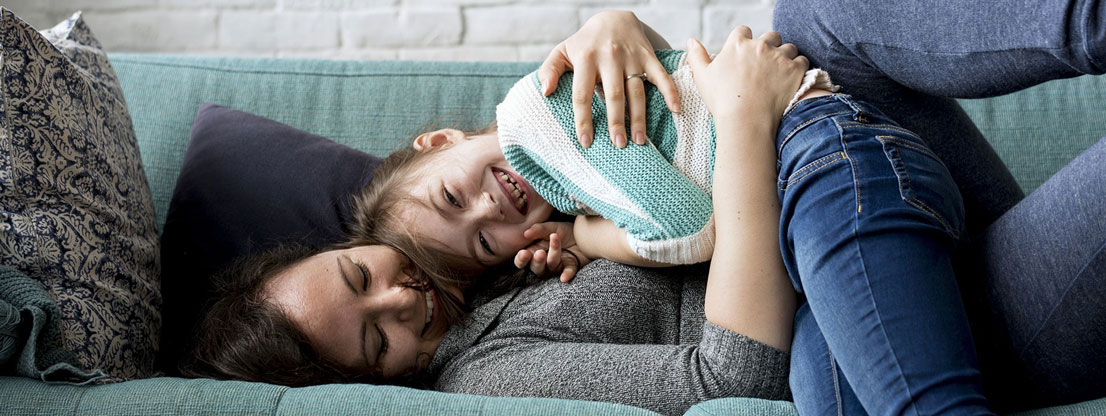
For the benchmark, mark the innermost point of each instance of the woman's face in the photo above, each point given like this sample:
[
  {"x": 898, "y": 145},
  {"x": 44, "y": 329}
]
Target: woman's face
[
  {"x": 473, "y": 203},
  {"x": 356, "y": 312}
]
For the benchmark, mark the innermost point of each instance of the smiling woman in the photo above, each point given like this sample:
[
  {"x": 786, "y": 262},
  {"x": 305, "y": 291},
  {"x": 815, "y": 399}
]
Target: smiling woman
[
  {"x": 297, "y": 316},
  {"x": 363, "y": 308}
]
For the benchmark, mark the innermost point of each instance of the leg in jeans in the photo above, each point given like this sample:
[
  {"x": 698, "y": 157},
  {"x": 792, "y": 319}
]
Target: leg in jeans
[
  {"x": 869, "y": 219},
  {"x": 1034, "y": 277},
  {"x": 1042, "y": 327},
  {"x": 904, "y": 56}
]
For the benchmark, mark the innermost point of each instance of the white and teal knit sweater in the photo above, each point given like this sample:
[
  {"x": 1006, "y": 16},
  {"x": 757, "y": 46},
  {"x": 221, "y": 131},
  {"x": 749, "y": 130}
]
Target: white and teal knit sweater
[{"x": 660, "y": 194}]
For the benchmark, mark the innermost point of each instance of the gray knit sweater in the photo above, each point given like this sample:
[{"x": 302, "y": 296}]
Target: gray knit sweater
[{"x": 617, "y": 334}]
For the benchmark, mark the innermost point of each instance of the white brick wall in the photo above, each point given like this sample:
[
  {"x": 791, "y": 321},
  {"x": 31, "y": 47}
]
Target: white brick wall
[{"x": 490, "y": 30}]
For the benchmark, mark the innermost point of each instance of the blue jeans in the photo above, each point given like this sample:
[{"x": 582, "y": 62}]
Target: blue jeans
[
  {"x": 1033, "y": 271},
  {"x": 869, "y": 220}
]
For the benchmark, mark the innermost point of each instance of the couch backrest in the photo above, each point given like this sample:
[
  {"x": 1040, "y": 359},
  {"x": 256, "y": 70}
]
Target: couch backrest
[{"x": 377, "y": 106}]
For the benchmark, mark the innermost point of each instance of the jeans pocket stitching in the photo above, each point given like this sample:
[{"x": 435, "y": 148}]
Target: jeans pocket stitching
[
  {"x": 810, "y": 168},
  {"x": 805, "y": 124},
  {"x": 906, "y": 191}
]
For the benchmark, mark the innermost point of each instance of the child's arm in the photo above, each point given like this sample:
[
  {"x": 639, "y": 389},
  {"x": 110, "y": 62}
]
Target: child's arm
[{"x": 598, "y": 237}]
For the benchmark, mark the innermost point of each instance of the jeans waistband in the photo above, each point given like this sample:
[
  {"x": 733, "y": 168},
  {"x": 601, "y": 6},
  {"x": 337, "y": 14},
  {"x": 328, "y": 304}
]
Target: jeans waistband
[{"x": 811, "y": 110}]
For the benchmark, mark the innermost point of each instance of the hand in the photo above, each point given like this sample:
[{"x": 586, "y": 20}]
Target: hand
[
  {"x": 550, "y": 254},
  {"x": 749, "y": 76},
  {"x": 612, "y": 44}
]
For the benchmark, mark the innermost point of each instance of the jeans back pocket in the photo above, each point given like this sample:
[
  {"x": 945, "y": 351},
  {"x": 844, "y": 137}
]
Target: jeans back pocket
[{"x": 924, "y": 181}]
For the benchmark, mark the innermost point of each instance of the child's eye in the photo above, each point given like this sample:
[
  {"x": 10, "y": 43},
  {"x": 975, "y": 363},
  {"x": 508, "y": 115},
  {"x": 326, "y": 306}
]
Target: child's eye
[
  {"x": 449, "y": 197},
  {"x": 484, "y": 243}
]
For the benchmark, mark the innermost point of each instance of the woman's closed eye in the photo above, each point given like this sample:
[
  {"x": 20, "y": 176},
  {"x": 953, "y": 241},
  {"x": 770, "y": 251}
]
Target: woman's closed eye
[{"x": 365, "y": 276}]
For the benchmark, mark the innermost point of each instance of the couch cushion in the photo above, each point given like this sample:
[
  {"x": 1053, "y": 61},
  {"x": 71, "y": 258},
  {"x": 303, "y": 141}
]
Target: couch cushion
[
  {"x": 75, "y": 209},
  {"x": 246, "y": 183}
]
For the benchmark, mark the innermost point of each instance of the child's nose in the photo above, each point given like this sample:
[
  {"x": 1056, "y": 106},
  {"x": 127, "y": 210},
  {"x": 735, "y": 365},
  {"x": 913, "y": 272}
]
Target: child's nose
[{"x": 489, "y": 209}]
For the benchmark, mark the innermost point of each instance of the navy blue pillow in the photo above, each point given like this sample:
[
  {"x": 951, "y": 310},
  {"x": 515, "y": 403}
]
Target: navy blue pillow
[{"x": 247, "y": 183}]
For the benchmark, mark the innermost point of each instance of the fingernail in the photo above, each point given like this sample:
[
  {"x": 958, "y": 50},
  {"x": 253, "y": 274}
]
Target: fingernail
[
  {"x": 676, "y": 108},
  {"x": 585, "y": 140},
  {"x": 619, "y": 140},
  {"x": 639, "y": 138}
]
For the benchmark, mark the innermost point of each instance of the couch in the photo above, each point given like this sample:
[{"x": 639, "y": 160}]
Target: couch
[{"x": 376, "y": 107}]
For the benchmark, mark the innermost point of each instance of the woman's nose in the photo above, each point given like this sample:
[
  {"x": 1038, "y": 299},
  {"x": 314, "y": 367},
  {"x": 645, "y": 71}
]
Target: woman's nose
[{"x": 403, "y": 303}]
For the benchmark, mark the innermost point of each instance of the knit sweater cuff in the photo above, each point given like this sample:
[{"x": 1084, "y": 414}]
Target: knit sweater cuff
[
  {"x": 695, "y": 248},
  {"x": 761, "y": 370}
]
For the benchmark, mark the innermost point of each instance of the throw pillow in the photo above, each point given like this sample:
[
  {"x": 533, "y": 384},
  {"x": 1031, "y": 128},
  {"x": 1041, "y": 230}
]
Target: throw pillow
[
  {"x": 247, "y": 183},
  {"x": 75, "y": 210}
]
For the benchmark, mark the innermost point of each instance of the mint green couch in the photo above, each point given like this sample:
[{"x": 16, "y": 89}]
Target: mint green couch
[{"x": 377, "y": 107}]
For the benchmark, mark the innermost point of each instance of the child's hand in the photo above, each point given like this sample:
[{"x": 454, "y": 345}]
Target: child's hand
[
  {"x": 748, "y": 76},
  {"x": 554, "y": 252}
]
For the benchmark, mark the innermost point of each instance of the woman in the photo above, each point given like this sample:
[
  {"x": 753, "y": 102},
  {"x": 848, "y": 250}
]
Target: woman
[{"x": 359, "y": 314}]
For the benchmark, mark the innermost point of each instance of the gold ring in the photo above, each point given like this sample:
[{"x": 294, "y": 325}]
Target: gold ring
[{"x": 631, "y": 76}]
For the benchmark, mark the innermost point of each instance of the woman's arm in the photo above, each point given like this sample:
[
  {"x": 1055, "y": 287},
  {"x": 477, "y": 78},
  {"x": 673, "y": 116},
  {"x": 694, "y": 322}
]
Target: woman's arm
[
  {"x": 746, "y": 88},
  {"x": 598, "y": 237}
]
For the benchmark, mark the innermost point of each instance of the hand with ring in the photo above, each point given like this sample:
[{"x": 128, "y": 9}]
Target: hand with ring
[{"x": 613, "y": 48}]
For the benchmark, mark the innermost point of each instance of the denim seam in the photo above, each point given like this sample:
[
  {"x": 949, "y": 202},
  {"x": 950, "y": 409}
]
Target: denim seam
[
  {"x": 867, "y": 279},
  {"x": 881, "y": 126},
  {"x": 1052, "y": 312},
  {"x": 810, "y": 168},
  {"x": 836, "y": 382},
  {"x": 1083, "y": 42},
  {"x": 803, "y": 101},
  {"x": 906, "y": 191},
  {"x": 805, "y": 124},
  {"x": 852, "y": 164}
]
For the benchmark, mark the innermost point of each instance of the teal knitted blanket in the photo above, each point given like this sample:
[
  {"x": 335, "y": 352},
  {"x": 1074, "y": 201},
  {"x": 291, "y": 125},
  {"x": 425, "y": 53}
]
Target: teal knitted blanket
[
  {"x": 659, "y": 193},
  {"x": 30, "y": 340}
]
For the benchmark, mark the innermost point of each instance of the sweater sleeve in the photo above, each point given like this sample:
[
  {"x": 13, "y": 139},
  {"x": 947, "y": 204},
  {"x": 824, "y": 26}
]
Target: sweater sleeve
[
  {"x": 619, "y": 334},
  {"x": 667, "y": 379},
  {"x": 667, "y": 216}
]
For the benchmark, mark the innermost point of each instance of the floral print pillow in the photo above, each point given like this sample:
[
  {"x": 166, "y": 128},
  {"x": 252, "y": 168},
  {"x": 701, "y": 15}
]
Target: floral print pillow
[{"x": 75, "y": 209}]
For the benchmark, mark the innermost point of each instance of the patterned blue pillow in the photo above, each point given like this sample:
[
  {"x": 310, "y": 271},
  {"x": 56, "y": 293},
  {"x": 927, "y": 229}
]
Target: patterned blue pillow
[{"x": 75, "y": 210}]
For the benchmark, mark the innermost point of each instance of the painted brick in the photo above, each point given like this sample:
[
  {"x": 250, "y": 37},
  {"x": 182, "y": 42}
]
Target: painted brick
[
  {"x": 674, "y": 24},
  {"x": 221, "y": 4},
  {"x": 277, "y": 31},
  {"x": 153, "y": 31},
  {"x": 403, "y": 27},
  {"x": 535, "y": 52},
  {"x": 518, "y": 24},
  {"x": 461, "y": 53},
  {"x": 88, "y": 5},
  {"x": 719, "y": 21},
  {"x": 341, "y": 5}
]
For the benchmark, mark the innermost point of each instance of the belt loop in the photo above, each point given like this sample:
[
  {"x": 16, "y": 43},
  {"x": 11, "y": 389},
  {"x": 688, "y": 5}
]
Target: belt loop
[{"x": 858, "y": 114}]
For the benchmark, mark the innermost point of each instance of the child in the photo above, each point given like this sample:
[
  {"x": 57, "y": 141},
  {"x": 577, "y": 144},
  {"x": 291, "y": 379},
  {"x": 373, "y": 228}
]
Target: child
[{"x": 487, "y": 196}]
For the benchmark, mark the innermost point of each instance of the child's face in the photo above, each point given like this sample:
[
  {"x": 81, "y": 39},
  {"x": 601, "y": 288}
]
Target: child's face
[
  {"x": 356, "y": 312},
  {"x": 469, "y": 203}
]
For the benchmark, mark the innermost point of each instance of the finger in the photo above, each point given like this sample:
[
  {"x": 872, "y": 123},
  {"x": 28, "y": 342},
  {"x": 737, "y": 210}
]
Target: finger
[
  {"x": 522, "y": 258},
  {"x": 742, "y": 32},
  {"x": 772, "y": 38},
  {"x": 583, "y": 87},
  {"x": 541, "y": 230},
  {"x": 537, "y": 265},
  {"x": 697, "y": 57},
  {"x": 614, "y": 87},
  {"x": 635, "y": 94},
  {"x": 553, "y": 259},
  {"x": 789, "y": 50},
  {"x": 803, "y": 62},
  {"x": 551, "y": 70},
  {"x": 568, "y": 274},
  {"x": 660, "y": 78}
]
